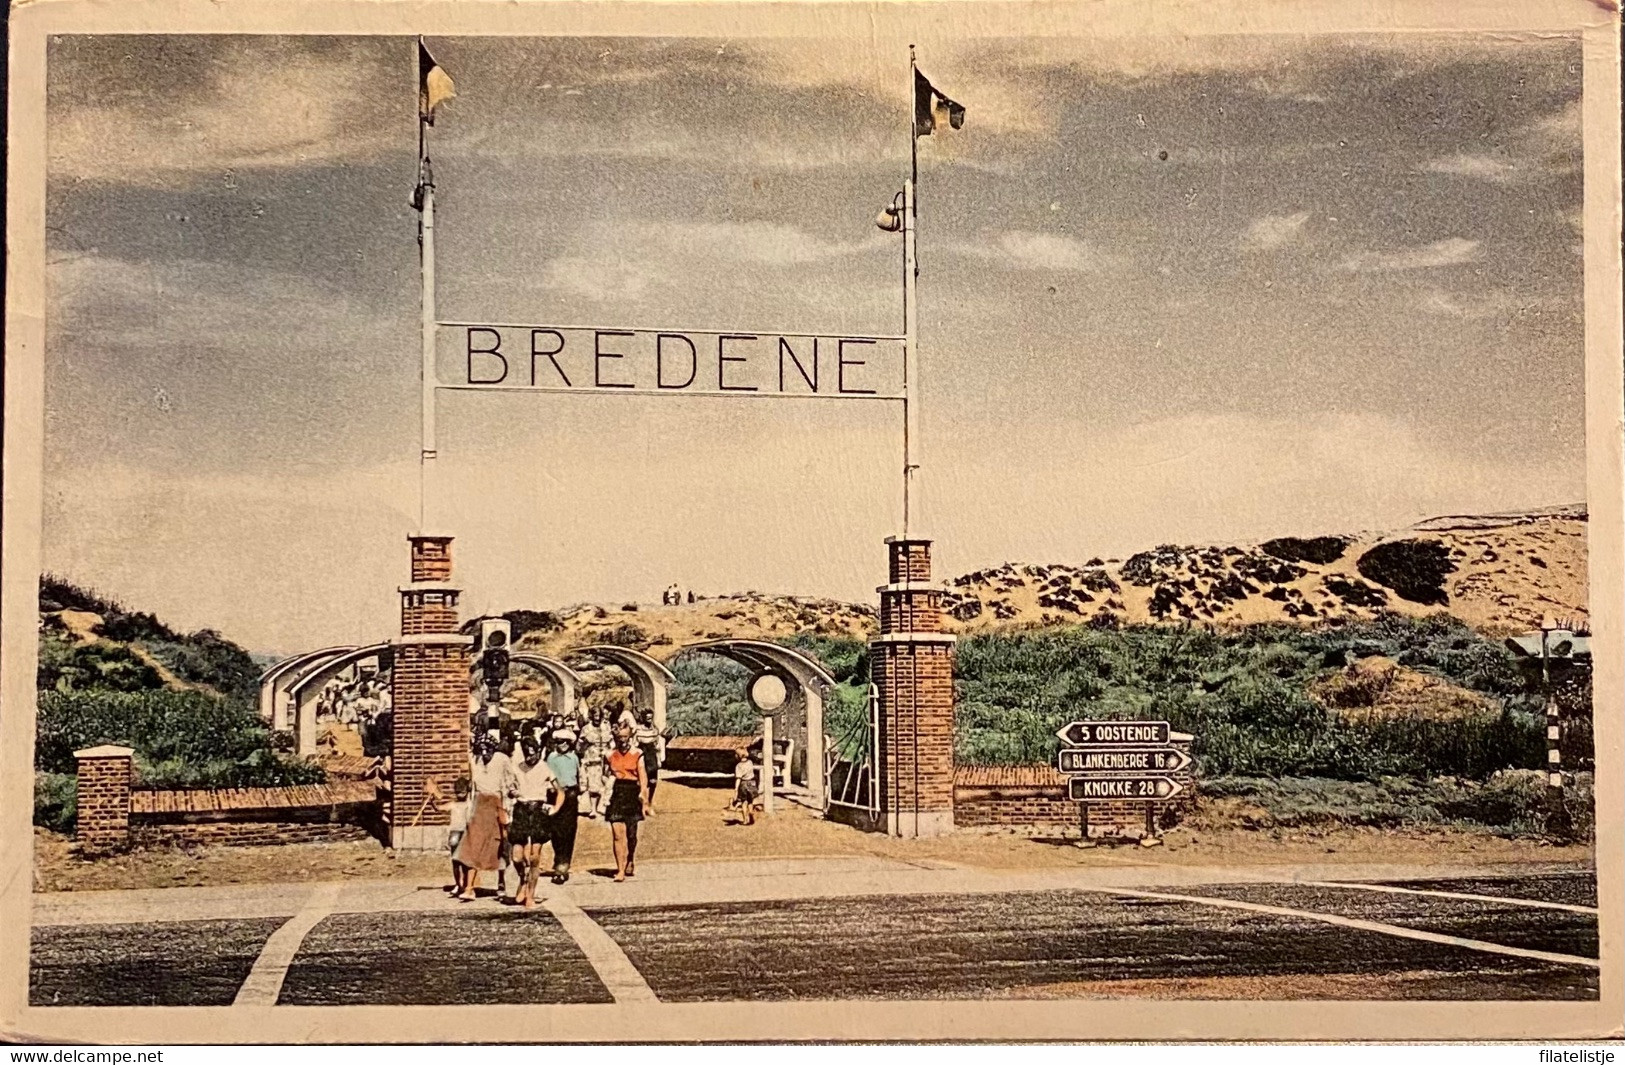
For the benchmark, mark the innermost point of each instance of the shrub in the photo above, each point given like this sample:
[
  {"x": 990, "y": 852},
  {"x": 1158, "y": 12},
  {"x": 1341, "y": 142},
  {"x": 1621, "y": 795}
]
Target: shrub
[
  {"x": 1508, "y": 803},
  {"x": 1320, "y": 550},
  {"x": 56, "y": 801},
  {"x": 1244, "y": 696},
  {"x": 627, "y": 634},
  {"x": 708, "y": 698},
  {"x": 523, "y": 621},
  {"x": 209, "y": 740},
  {"x": 68, "y": 666},
  {"x": 1413, "y": 569},
  {"x": 58, "y": 593},
  {"x": 136, "y": 627},
  {"x": 205, "y": 657},
  {"x": 1356, "y": 593}
]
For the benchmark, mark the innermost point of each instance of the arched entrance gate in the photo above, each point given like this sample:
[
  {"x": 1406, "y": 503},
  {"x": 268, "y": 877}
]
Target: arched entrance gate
[{"x": 799, "y": 717}]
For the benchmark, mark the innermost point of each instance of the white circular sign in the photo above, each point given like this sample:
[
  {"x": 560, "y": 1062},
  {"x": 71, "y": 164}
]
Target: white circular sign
[{"x": 767, "y": 692}]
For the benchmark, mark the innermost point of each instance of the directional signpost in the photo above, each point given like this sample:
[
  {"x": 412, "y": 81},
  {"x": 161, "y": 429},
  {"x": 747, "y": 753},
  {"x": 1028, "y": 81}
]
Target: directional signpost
[
  {"x": 1101, "y": 789},
  {"x": 1107, "y": 761},
  {"x": 1122, "y": 760}
]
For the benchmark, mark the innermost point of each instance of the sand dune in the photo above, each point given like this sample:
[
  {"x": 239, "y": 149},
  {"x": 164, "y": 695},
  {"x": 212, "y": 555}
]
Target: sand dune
[{"x": 1499, "y": 573}]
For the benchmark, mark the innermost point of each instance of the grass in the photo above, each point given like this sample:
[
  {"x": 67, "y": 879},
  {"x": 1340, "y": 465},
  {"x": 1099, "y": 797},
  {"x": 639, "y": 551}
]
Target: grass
[
  {"x": 1510, "y": 802},
  {"x": 1244, "y": 695}
]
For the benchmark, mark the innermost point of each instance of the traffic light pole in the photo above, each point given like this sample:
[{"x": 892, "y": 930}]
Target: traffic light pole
[{"x": 1557, "y": 819}]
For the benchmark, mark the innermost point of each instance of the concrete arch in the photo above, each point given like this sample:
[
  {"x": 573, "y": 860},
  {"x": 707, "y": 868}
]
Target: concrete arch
[
  {"x": 304, "y": 689},
  {"x": 651, "y": 680},
  {"x": 274, "y": 705},
  {"x": 808, "y": 682},
  {"x": 564, "y": 683}
]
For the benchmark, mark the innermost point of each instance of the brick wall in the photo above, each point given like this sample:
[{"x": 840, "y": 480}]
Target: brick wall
[
  {"x": 429, "y": 692},
  {"x": 431, "y": 558},
  {"x": 248, "y": 833},
  {"x": 1034, "y": 798},
  {"x": 918, "y": 610},
  {"x": 910, "y": 560},
  {"x": 422, "y": 614},
  {"x": 104, "y": 799},
  {"x": 912, "y": 664},
  {"x": 112, "y": 815}
]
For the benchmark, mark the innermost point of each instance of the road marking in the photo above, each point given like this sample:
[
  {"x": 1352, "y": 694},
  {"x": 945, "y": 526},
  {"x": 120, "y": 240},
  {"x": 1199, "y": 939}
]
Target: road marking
[
  {"x": 264, "y": 981},
  {"x": 621, "y": 978},
  {"x": 1536, "y": 903},
  {"x": 1355, "y": 922}
]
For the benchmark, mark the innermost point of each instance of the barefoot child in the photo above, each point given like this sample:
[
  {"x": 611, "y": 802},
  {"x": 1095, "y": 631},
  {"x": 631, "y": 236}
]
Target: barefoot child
[
  {"x": 458, "y": 810},
  {"x": 746, "y": 793}
]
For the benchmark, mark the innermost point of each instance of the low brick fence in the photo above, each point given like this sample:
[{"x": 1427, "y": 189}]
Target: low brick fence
[
  {"x": 1034, "y": 798},
  {"x": 113, "y": 814}
]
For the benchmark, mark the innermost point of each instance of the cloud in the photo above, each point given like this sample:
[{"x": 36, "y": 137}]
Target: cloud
[
  {"x": 1454, "y": 251},
  {"x": 630, "y": 260},
  {"x": 1483, "y": 167},
  {"x": 1274, "y": 230},
  {"x": 1026, "y": 250},
  {"x": 770, "y": 243},
  {"x": 1496, "y": 303},
  {"x": 1548, "y": 146},
  {"x": 1205, "y": 478},
  {"x": 602, "y": 280},
  {"x": 273, "y": 104}
]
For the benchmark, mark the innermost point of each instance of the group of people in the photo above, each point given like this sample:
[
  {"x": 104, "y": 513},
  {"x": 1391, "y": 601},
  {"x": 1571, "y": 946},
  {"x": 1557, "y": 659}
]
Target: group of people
[
  {"x": 673, "y": 596},
  {"x": 361, "y": 704},
  {"x": 353, "y": 702},
  {"x": 529, "y": 784}
]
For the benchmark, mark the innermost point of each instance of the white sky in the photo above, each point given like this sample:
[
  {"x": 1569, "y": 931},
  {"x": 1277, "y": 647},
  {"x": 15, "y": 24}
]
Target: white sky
[{"x": 1349, "y": 298}]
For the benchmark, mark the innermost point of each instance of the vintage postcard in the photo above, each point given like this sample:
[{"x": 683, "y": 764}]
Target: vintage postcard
[{"x": 844, "y": 521}]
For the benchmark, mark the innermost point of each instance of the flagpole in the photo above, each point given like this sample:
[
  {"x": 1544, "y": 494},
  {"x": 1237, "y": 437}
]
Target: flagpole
[
  {"x": 911, "y": 270},
  {"x": 911, "y": 362},
  {"x": 427, "y": 452}
]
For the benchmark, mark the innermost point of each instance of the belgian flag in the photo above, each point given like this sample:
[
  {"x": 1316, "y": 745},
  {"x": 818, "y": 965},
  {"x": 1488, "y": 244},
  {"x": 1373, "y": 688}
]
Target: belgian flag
[
  {"x": 932, "y": 108},
  {"x": 434, "y": 85}
]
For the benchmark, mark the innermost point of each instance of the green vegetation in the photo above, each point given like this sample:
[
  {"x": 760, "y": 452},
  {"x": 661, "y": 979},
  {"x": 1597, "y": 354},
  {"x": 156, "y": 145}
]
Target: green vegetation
[
  {"x": 106, "y": 691},
  {"x": 1510, "y": 802},
  {"x": 65, "y": 665},
  {"x": 1414, "y": 569},
  {"x": 182, "y": 739},
  {"x": 203, "y": 657},
  {"x": 1321, "y": 550},
  {"x": 1243, "y": 694}
]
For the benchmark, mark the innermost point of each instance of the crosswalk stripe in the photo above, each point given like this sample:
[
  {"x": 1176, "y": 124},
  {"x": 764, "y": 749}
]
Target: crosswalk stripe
[
  {"x": 1355, "y": 922},
  {"x": 621, "y": 978},
  {"x": 264, "y": 981},
  {"x": 1540, "y": 904}
]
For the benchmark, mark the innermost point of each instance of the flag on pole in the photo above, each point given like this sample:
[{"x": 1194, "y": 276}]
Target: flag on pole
[
  {"x": 435, "y": 86},
  {"x": 932, "y": 108}
]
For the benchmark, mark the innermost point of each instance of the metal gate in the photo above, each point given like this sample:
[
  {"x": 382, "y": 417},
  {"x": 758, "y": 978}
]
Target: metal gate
[{"x": 849, "y": 764}]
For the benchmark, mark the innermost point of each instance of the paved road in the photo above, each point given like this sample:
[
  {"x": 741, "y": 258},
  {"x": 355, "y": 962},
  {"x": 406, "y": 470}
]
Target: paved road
[{"x": 849, "y": 928}]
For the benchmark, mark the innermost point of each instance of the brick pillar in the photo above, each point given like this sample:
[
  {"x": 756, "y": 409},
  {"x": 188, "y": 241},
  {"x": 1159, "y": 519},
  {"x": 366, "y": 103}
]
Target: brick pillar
[
  {"x": 104, "y": 799},
  {"x": 912, "y": 662},
  {"x": 429, "y": 692}
]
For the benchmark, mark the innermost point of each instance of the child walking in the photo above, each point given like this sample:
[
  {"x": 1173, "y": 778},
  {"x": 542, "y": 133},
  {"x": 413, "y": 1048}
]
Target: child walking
[{"x": 746, "y": 793}]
